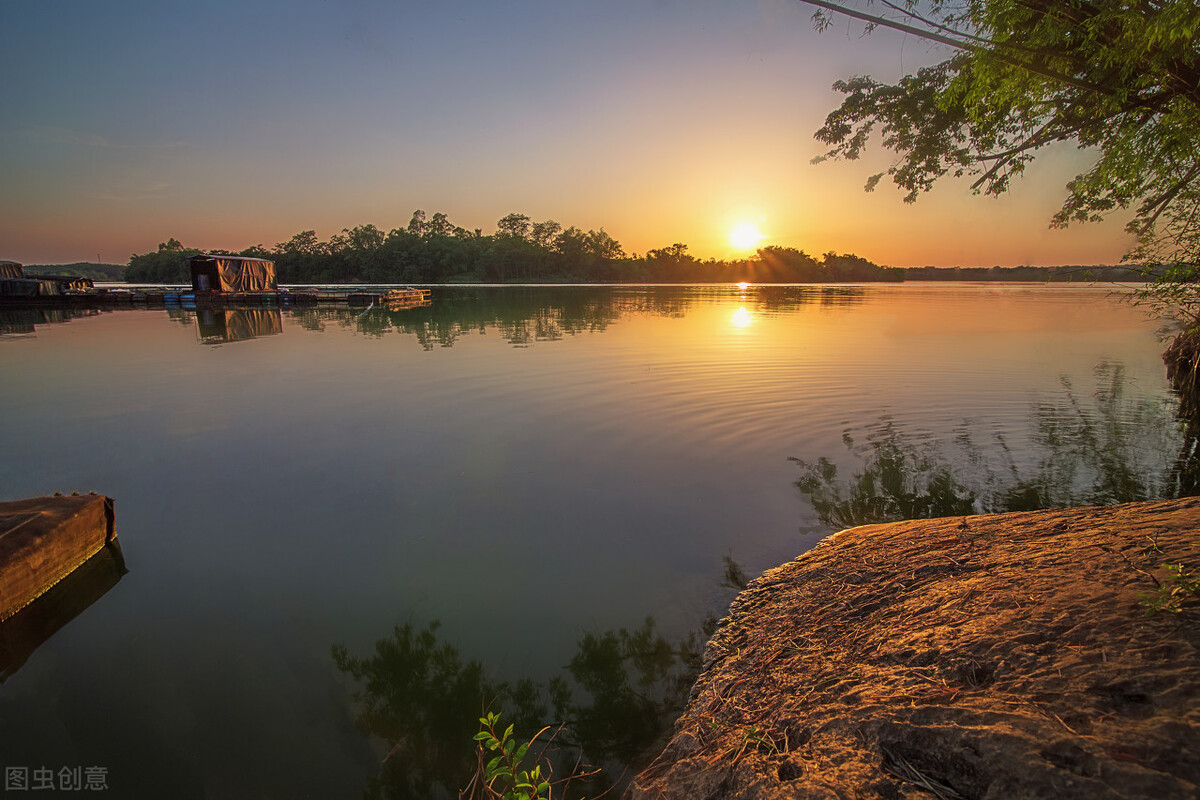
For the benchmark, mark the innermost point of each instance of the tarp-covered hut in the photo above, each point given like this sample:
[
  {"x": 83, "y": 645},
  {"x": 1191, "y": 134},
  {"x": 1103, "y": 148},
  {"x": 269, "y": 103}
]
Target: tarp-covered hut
[
  {"x": 215, "y": 273},
  {"x": 16, "y": 285},
  {"x": 29, "y": 287}
]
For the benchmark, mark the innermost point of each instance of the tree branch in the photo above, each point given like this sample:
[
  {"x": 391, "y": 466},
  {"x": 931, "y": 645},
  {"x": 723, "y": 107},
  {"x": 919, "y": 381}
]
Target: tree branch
[
  {"x": 1160, "y": 203},
  {"x": 1036, "y": 69},
  {"x": 1036, "y": 140}
]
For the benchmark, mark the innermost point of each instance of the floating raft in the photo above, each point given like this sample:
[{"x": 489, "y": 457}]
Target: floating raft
[
  {"x": 389, "y": 298},
  {"x": 189, "y": 299},
  {"x": 44, "y": 539}
]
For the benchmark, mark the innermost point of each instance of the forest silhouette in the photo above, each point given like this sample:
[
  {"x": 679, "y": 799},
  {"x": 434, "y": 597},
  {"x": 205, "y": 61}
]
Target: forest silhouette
[{"x": 433, "y": 250}]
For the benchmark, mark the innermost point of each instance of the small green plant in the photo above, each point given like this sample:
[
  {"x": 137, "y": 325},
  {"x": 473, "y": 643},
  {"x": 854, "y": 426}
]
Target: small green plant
[
  {"x": 755, "y": 738},
  {"x": 1179, "y": 585},
  {"x": 503, "y": 778}
]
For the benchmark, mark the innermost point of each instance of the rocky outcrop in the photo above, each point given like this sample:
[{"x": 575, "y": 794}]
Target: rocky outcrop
[{"x": 1042, "y": 654}]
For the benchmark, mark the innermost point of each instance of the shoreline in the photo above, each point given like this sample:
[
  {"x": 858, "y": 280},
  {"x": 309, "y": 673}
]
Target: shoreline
[{"x": 997, "y": 656}]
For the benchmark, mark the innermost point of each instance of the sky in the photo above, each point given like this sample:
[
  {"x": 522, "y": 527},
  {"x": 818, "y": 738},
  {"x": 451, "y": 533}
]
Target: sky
[{"x": 231, "y": 123}]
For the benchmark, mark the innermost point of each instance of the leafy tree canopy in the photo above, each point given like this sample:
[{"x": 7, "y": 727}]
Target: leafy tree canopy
[
  {"x": 431, "y": 249},
  {"x": 1122, "y": 79}
]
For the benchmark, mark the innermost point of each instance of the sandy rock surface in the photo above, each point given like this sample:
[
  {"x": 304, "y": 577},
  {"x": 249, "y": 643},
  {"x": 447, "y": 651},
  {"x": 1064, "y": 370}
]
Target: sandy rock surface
[{"x": 1003, "y": 656}]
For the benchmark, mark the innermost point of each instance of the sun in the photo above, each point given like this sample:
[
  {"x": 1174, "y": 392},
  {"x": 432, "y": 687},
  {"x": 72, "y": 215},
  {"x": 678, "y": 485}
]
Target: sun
[{"x": 745, "y": 236}]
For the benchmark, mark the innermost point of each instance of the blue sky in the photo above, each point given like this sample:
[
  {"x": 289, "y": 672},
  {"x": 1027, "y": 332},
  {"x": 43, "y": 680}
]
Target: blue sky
[{"x": 226, "y": 124}]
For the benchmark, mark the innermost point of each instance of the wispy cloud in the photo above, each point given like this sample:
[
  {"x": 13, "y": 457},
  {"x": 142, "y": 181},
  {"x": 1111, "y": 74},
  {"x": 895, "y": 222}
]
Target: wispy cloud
[{"x": 54, "y": 134}]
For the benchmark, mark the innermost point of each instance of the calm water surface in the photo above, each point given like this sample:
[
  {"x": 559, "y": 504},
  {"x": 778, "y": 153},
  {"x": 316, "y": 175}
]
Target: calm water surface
[{"x": 522, "y": 465}]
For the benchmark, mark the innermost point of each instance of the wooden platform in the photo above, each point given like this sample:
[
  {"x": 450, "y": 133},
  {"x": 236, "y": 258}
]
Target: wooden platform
[
  {"x": 44, "y": 539},
  {"x": 189, "y": 299},
  {"x": 388, "y": 298}
]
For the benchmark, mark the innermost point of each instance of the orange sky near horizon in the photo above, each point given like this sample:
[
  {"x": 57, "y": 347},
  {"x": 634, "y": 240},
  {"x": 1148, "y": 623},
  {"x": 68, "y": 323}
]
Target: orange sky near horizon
[{"x": 665, "y": 123}]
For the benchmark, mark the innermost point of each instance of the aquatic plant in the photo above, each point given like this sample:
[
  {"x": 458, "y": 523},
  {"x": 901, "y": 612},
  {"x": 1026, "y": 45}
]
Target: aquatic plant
[{"x": 1112, "y": 447}]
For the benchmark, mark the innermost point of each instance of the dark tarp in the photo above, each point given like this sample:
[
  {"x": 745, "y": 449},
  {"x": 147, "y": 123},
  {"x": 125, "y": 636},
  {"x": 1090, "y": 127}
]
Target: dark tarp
[
  {"x": 28, "y": 287},
  {"x": 20, "y": 285},
  {"x": 232, "y": 274}
]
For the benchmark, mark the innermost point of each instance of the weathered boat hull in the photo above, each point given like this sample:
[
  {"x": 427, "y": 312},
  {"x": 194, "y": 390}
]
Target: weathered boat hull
[{"x": 44, "y": 539}]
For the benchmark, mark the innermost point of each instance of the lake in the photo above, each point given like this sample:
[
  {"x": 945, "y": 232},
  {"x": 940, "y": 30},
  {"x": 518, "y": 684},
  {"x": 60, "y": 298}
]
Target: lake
[{"x": 342, "y": 526}]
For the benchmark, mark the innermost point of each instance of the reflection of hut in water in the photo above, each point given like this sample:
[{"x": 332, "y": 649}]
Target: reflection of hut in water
[
  {"x": 19, "y": 321},
  {"x": 238, "y": 274},
  {"x": 235, "y": 325},
  {"x": 22, "y": 321},
  {"x": 57, "y": 556}
]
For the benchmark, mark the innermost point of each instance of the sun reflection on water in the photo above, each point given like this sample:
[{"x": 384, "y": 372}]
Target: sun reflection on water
[{"x": 742, "y": 318}]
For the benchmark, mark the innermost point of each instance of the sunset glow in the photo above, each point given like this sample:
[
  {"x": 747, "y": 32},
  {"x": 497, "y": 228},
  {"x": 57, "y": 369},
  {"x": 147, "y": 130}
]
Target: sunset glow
[
  {"x": 745, "y": 236},
  {"x": 245, "y": 154}
]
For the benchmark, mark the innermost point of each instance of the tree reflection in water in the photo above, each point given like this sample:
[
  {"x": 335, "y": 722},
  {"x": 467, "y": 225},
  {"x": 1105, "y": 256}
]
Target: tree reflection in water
[
  {"x": 524, "y": 315},
  {"x": 421, "y": 698},
  {"x": 622, "y": 692},
  {"x": 623, "y": 689},
  {"x": 1113, "y": 447}
]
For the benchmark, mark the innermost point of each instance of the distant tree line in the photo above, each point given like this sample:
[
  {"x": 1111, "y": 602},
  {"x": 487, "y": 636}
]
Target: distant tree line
[
  {"x": 82, "y": 269},
  {"x": 1056, "y": 274},
  {"x": 430, "y": 249}
]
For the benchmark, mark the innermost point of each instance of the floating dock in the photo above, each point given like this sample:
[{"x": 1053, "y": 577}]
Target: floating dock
[
  {"x": 44, "y": 539},
  {"x": 388, "y": 298},
  {"x": 218, "y": 282},
  {"x": 186, "y": 298}
]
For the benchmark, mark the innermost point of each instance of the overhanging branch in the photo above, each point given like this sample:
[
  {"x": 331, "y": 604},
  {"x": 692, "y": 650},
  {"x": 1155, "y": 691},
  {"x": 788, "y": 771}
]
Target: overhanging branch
[{"x": 933, "y": 36}]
